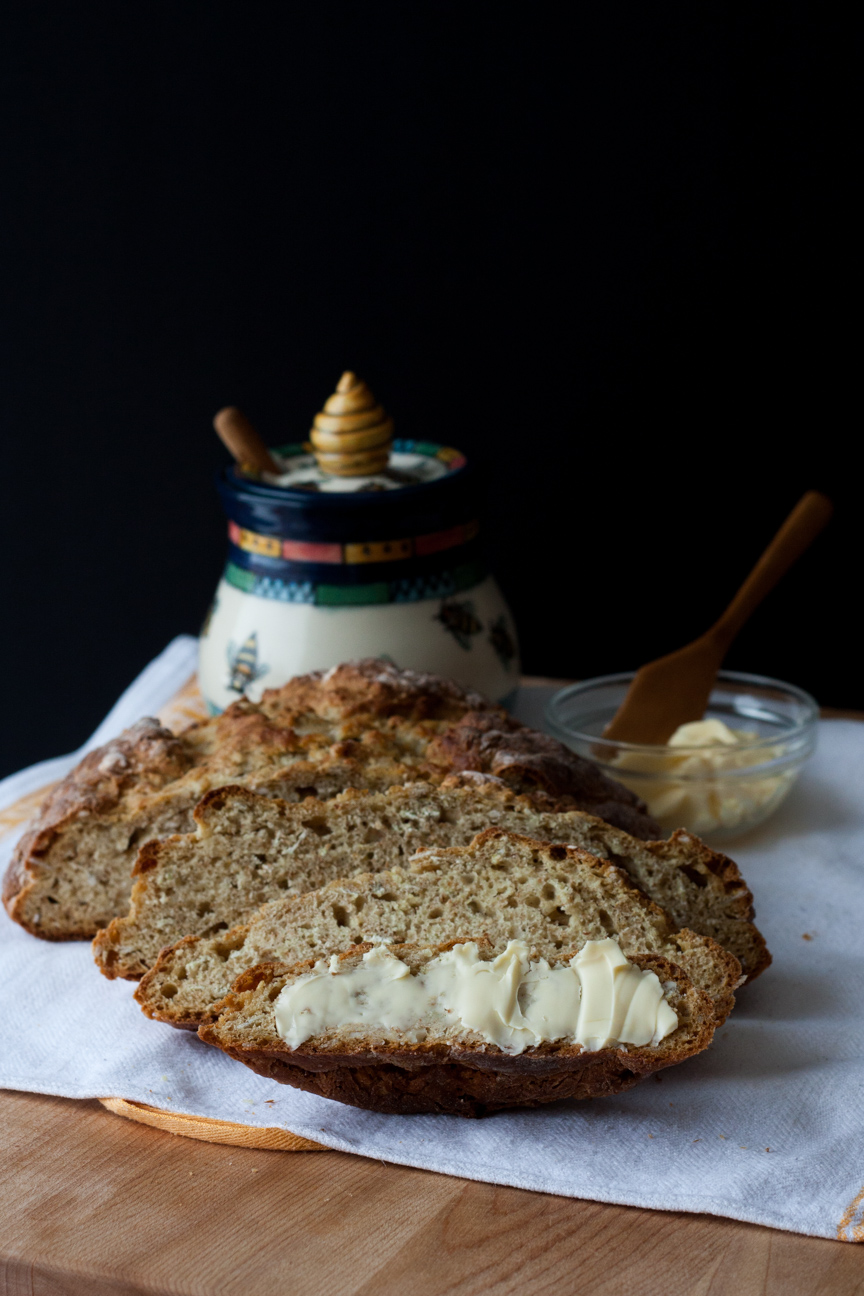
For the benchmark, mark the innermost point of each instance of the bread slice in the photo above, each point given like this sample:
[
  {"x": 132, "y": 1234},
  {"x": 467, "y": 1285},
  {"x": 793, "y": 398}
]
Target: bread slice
[
  {"x": 364, "y": 725},
  {"x": 503, "y": 885},
  {"x": 453, "y": 1070},
  {"x": 249, "y": 850}
]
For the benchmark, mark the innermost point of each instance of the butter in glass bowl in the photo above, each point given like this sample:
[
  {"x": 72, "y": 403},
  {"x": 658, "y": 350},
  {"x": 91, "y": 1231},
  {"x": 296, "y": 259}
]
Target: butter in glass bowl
[{"x": 717, "y": 777}]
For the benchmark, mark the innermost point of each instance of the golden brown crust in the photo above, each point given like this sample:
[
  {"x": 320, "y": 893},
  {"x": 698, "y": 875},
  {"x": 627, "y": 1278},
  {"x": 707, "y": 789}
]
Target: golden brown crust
[
  {"x": 373, "y": 687},
  {"x": 364, "y": 724},
  {"x": 740, "y": 903},
  {"x": 528, "y": 761},
  {"x": 146, "y": 756},
  {"x": 455, "y": 1088},
  {"x": 443, "y": 1078}
]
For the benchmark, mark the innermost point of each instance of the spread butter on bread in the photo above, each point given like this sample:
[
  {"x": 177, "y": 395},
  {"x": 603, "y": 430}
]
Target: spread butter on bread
[
  {"x": 503, "y": 886},
  {"x": 461, "y": 1029}
]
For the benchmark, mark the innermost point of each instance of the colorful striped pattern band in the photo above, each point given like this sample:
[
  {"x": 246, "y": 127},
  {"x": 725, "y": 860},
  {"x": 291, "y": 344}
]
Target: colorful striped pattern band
[{"x": 362, "y": 551}]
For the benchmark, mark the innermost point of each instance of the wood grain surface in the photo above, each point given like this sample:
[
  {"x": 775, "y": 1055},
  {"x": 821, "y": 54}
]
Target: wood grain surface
[{"x": 91, "y": 1205}]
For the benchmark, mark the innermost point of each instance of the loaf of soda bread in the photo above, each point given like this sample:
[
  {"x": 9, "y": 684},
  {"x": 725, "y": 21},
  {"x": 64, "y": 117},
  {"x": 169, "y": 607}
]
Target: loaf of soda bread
[
  {"x": 451, "y": 1069},
  {"x": 248, "y": 850},
  {"x": 364, "y": 725},
  {"x": 503, "y": 885}
]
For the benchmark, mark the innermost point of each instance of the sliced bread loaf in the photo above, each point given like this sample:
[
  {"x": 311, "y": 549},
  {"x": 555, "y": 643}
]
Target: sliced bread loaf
[
  {"x": 503, "y": 885},
  {"x": 365, "y": 725},
  {"x": 440, "y": 1063},
  {"x": 248, "y": 850}
]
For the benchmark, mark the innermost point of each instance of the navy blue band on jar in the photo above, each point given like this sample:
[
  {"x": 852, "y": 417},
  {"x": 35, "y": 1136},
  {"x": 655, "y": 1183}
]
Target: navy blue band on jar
[
  {"x": 293, "y": 513},
  {"x": 354, "y": 548}
]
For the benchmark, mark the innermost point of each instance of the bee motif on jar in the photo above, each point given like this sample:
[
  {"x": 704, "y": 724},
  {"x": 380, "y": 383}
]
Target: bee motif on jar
[
  {"x": 243, "y": 668},
  {"x": 459, "y": 620},
  {"x": 502, "y": 640}
]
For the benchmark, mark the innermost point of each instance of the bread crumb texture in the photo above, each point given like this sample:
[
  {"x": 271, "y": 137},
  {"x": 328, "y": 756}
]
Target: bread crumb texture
[
  {"x": 249, "y": 850},
  {"x": 362, "y": 725},
  {"x": 503, "y": 886}
]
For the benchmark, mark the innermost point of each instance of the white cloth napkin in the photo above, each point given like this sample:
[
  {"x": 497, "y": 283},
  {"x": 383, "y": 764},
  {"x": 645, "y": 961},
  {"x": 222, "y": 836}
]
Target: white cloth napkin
[{"x": 785, "y": 1073}]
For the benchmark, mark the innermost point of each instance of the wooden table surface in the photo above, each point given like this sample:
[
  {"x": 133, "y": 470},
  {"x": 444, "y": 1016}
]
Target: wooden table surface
[
  {"x": 94, "y": 1205},
  {"x": 91, "y": 1204}
]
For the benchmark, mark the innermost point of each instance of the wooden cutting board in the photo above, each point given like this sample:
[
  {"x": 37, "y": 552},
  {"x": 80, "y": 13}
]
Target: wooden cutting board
[
  {"x": 95, "y": 1206},
  {"x": 211, "y": 1131}
]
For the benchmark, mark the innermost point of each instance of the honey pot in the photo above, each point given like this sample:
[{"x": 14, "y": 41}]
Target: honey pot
[{"x": 352, "y": 545}]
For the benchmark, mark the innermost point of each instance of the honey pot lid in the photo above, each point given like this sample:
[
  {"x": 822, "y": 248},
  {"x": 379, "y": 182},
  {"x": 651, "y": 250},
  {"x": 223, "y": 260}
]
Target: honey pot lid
[{"x": 352, "y": 450}]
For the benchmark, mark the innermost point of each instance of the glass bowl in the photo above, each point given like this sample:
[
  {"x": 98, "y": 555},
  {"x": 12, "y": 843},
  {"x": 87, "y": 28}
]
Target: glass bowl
[{"x": 717, "y": 792}]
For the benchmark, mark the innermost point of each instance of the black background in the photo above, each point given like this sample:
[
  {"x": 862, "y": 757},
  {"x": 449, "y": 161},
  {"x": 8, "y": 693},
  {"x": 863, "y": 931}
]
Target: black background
[{"x": 610, "y": 263}]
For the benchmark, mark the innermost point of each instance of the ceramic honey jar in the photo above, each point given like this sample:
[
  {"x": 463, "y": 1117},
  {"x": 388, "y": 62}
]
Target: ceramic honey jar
[{"x": 360, "y": 545}]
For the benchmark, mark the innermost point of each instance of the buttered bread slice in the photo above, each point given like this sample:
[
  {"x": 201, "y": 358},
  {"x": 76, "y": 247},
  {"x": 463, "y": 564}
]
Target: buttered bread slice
[
  {"x": 460, "y": 1029},
  {"x": 504, "y": 886},
  {"x": 364, "y": 725},
  {"x": 249, "y": 850}
]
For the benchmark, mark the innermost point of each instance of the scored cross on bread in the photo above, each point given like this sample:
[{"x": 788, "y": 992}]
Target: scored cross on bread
[{"x": 503, "y": 885}]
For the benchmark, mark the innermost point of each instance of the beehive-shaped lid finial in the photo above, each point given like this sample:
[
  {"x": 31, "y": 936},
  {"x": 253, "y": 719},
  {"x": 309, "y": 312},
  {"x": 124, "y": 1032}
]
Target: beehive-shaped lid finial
[{"x": 352, "y": 434}]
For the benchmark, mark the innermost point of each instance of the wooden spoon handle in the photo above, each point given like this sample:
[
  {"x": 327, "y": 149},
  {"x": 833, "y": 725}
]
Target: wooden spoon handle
[
  {"x": 812, "y": 512},
  {"x": 237, "y": 433}
]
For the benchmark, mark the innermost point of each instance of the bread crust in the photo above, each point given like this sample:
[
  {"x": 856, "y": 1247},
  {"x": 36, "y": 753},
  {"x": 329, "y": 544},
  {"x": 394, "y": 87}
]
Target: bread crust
[
  {"x": 441, "y": 1078},
  {"x": 740, "y": 904},
  {"x": 363, "y": 724},
  {"x": 145, "y": 757},
  {"x": 529, "y": 761},
  {"x": 375, "y": 687}
]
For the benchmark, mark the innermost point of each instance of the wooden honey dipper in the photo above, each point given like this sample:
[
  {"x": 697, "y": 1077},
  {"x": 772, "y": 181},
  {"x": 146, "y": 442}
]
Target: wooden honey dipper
[
  {"x": 239, "y": 436},
  {"x": 351, "y": 436}
]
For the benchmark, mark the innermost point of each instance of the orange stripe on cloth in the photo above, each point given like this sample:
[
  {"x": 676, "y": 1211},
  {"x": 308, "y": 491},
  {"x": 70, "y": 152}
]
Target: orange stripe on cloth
[
  {"x": 851, "y": 1226},
  {"x": 23, "y": 809}
]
